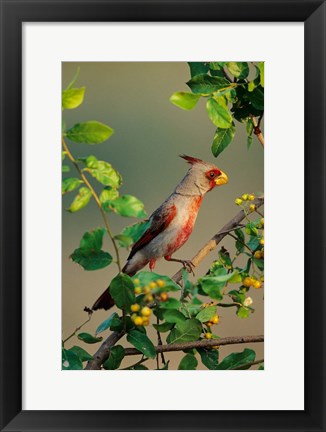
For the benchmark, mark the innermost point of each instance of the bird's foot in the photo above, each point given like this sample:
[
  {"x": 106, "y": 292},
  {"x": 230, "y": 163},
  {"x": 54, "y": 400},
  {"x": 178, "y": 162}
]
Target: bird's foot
[{"x": 189, "y": 266}]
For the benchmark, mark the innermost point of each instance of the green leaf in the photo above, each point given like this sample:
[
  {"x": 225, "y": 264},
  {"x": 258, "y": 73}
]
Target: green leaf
[
  {"x": 162, "y": 328},
  {"x": 91, "y": 132},
  {"x": 88, "y": 338},
  {"x": 72, "y": 98},
  {"x": 238, "y": 69},
  {"x": 74, "y": 79},
  {"x": 136, "y": 230},
  {"x": 189, "y": 362},
  {"x": 218, "y": 114},
  {"x": 106, "y": 323},
  {"x": 186, "y": 101},
  {"x": 145, "y": 277},
  {"x": 243, "y": 312},
  {"x": 69, "y": 184},
  {"x": 89, "y": 254},
  {"x": 222, "y": 139},
  {"x": 108, "y": 194},
  {"x": 103, "y": 172},
  {"x": 259, "y": 263},
  {"x": 126, "y": 205},
  {"x": 170, "y": 303},
  {"x": 211, "y": 287},
  {"x": 173, "y": 316},
  {"x": 116, "y": 356},
  {"x": 261, "y": 70},
  {"x": 251, "y": 229},
  {"x": 124, "y": 241},
  {"x": 256, "y": 97},
  {"x": 65, "y": 168},
  {"x": 140, "y": 367},
  {"x": 197, "y": 68},
  {"x": 249, "y": 142},
  {"x": 92, "y": 240},
  {"x": 71, "y": 361},
  {"x": 185, "y": 331},
  {"x": 205, "y": 84},
  {"x": 81, "y": 353},
  {"x": 236, "y": 360},
  {"x": 81, "y": 200},
  {"x": 239, "y": 243},
  {"x": 206, "y": 314},
  {"x": 142, "y": 343},
  {"x": 122, "y": 291},
  {"x": 91, "y": 261},
  {"x": 209, "y": 357}
]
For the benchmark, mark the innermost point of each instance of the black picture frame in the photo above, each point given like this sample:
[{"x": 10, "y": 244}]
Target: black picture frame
[{"x": 13, "y": 14}]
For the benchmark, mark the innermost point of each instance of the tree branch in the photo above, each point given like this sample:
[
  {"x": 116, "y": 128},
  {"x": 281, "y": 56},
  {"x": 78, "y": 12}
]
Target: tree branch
[
  {"x": 205, "y": 343},
  {"x": 257, "y": 130},
  {"x": 211, "y": 245},
  {"x": 104, "y": 351}
]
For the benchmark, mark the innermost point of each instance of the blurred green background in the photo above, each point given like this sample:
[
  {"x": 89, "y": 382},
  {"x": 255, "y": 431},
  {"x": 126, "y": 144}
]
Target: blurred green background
[{"x": 150, "y": 133}]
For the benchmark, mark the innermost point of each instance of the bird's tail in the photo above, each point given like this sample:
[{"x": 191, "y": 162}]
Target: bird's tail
[{"x": 105, "y": 301}]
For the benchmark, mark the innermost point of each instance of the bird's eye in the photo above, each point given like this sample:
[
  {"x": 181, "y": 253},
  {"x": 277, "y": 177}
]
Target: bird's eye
[{"x": 212, "y": 175}]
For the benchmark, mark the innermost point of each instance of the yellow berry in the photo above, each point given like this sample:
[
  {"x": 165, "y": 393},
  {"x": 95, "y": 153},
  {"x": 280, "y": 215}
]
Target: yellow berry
[
  {"x": 135, "y": 307},
  {"x": 138, "y": 290},
  {"x": 245, "y": 197},
  {"x": 146, "y": 289},
  {"x": 257, "y": 284},
  {"x": 238, "y": 201},
  {"x": 262, "y": 278},
  {"x": 149, "y": 298},
  {"x": 215, "y": 346},
  {"x": 136, "y": 281},
  {"x": 247, "y": 282},
  {"x": 262, "y": 242},
  {"x": 133, "y": 317},
  {"x": 257, "y": 254},
  {"x": 251, "y": 197},
  {"x": 262, "y": 221},
  {"x": 209, "y": 324},
  {"x": 164, "y": 296},
  {"x": 208, "y": 335},
  {"x": 146, "y": 311},
  {"x": 145, "y": 322},
  {"x": 215, "y": 319},
  {"x": 138, "y": 321},
  {"x": 252, "y": 207},
  {"x": 160, "y": 283},
  {"x": 152, "y": 285}
]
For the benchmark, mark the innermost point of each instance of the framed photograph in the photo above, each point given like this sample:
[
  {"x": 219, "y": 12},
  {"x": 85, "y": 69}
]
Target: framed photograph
[{"x": 134, "y": 293}]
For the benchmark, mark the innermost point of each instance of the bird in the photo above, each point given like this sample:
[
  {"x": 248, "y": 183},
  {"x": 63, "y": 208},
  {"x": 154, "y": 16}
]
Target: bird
[{"x": 171, "y": 224}]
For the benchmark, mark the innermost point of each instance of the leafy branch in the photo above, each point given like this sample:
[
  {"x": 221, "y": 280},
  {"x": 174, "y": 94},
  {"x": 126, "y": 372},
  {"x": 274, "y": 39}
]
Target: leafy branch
[{"x": 96, "y": 198}]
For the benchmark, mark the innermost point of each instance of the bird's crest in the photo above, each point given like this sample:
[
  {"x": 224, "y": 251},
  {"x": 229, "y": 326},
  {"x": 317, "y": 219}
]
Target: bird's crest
[{"x": 191, "y": 160}]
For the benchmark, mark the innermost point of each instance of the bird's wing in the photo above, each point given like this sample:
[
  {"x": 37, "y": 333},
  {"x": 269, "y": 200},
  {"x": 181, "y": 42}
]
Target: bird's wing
[{"x": 160, "y": 220}]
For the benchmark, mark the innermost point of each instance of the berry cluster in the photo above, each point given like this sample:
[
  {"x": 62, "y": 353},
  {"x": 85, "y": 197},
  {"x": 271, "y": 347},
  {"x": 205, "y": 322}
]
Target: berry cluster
[
  {"x": 251, "y": 281},
  {"x": 148, "y": 293}
]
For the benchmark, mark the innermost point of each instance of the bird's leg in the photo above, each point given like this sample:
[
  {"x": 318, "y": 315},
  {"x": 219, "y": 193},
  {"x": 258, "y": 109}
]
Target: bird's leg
[
  {"x": 152, "y": 263},
  {"x": 187, "y": 264}
]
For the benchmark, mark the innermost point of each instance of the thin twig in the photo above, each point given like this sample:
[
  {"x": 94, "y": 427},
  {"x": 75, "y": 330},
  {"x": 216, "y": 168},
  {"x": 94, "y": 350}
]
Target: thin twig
[
  {"x": 240, "y": 241},
  {"x": 204, "y": 343},
  {"x": 77, "y": 329},
  {"x": 97, "y": 200}
]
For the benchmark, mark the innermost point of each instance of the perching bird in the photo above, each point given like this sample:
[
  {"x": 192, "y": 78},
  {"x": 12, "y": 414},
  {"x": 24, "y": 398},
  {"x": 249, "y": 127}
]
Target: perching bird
[{"x": 172, "y": 223}]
